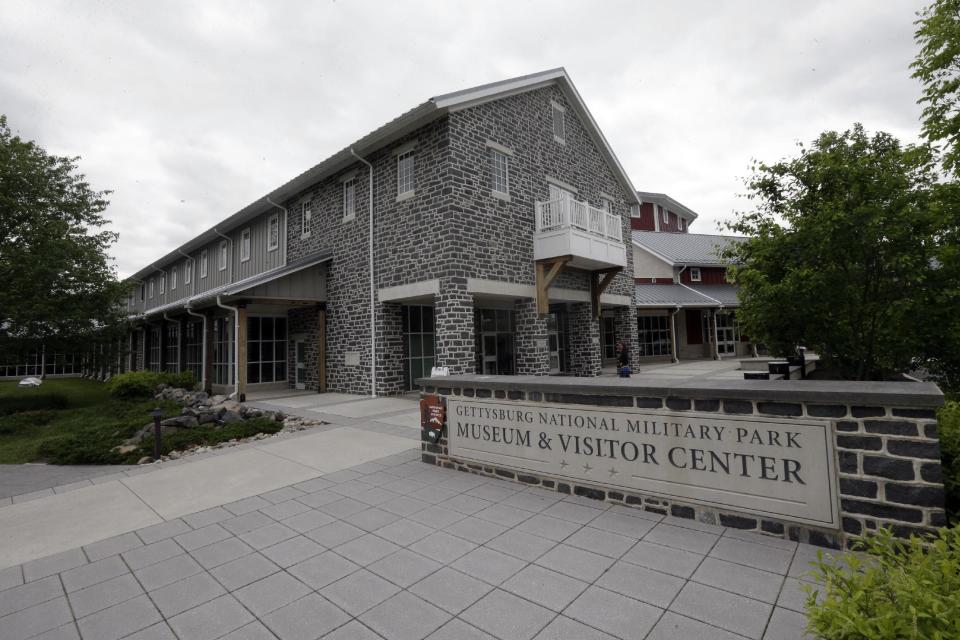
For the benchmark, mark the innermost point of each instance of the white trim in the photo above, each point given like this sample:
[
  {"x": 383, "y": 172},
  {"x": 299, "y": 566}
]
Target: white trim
[
  {"x": 188, "y": 271},
  {"x": 173, "y": 277},
  {"x": 699, "y": 277},
  {"x": 203, "y": 263},
  {"x": 349, "y": 215},
  {"x": 500, "y": 288},
  {"x": 411, "y": 154},
  {"x": 306, "y": 216},
  {"x": 405, "y": 148},
  {"x": 406, "y": 195},
  {"x": 560, "y": 183},
  {"x": 499, "y": 195},
  {"x": 494, "y": 153},
  {"x": 407, "y": 291},
  {"x": 274, "y": 218},
  {"x": 499, "y": 147},
  {"x": 222, "y": 258}
]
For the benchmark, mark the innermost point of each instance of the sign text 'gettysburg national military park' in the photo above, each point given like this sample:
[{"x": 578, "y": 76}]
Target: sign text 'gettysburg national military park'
[{"x": 765, "y": 466}]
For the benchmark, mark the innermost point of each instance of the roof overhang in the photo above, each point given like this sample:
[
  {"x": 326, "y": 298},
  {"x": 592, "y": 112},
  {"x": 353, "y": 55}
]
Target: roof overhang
[{"x": 668, "y": 203}]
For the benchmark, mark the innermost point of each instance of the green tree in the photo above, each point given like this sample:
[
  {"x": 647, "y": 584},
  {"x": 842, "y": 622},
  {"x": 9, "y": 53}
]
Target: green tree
[
  {"x": 59, "y": 288},
  {"x": 845, "y": 254},
  {"x": 937, "y": 67}
]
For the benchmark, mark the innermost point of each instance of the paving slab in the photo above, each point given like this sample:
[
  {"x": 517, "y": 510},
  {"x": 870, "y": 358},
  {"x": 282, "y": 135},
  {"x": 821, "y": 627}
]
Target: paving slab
[
  {"x": 370, "y": 407},
  {"x": 57, "y": 523}
]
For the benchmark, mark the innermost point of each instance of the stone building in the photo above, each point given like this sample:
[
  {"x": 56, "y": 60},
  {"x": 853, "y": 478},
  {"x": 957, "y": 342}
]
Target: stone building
[{"x": 483, "y": 231}]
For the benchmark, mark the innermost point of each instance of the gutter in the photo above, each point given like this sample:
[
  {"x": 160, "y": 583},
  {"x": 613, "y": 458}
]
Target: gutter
[
  {"x": 373, "y": 304},
  {"x": 236, "y": 347}
]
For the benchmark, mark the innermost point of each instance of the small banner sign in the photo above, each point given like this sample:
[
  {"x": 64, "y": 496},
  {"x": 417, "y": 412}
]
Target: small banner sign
[{"x": 433, "y": 413}]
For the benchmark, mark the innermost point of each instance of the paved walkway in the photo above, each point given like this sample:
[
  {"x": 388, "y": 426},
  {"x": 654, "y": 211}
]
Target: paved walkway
[
  {"x": 20, "y": 482},
  {"x": 389, "y": 548}
]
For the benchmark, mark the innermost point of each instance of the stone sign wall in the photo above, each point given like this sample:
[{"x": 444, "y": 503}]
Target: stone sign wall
[{"x": 816, "y": 462}]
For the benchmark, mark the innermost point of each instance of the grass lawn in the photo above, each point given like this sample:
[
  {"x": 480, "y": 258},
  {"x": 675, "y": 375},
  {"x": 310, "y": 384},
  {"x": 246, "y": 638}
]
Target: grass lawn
[{"x": 74, "y": 421}]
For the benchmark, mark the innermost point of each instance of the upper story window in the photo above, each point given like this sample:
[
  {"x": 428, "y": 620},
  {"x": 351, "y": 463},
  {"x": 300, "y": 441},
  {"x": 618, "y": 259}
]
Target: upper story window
[
  {"x": 143, "y": 292},
  {"x": 151, "y": 288},
  {"x": 187, "y": 270},
  {"x": 682, "y": 222},
  {"x": 605, "y": 204},
  {"x": 558, "y": 115},
  {"x": 173, "y": 278},
  {"x": 203, "y": 263},
  {"x": 500, "y": 166},
  {"x": 163, "y": 283},
  {"x": 666, "y": 215},
  {"x": 405, "y": 173},
  {"x": 350, "y": 199},
  {"x": 694, "y": 274},
  {"x": 273, "y": 232},
  {"x": 305, "y": 216},
  {"x": 244, "y": 245},
  {"x": 223, "y": 255}
]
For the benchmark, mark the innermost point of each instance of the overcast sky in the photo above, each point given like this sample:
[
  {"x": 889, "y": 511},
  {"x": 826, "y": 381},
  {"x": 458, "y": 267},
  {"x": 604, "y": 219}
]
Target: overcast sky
[{"x": 190, "y": 111}]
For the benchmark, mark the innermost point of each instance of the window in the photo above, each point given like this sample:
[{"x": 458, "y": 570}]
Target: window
[
  {"x": 653, "y": 333},
  {"x": 173, "y": 348},
  {"x": 605, "y": 204},
  {"x": 559, "y": 127},
  {"x": 273, "y": 232},
  {"x": 223, "y": 351},
  {"x": 681, "y": 223},
  {"x": 143, "y": 291},
  {"x": 694, "y": 274},
  {"x": 223, "y": 255},
  {"x": 495, "y": 328},
  {"x": 266, "y": 349},
  {"x": 405, "y": 173},
  {"x": 418, "y": 343},
  {"x": 203, "y": 263},
  {"x": 500, "y": 165},
  {"x": 244, "y": 245},
  {"x": 187, "y": 270},
  {"x": 153, "y": 352},
  {"x": 193, "y": 351},
  {"x": 151, "y": 288},
  {"x": 173, "y": 278},
  {"x": 666, "y": 215},
  {"x": 350, "y": 199},
  {"x": 163, "y": 283},
  {"x": 306, "y": 215}
]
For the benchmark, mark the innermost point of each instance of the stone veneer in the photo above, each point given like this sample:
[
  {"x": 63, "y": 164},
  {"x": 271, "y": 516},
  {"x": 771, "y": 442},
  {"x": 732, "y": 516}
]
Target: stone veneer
[{"x": 887, "y": 450}]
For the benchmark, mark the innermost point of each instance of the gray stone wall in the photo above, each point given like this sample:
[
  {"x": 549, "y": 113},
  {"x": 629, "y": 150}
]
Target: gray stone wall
[
  {"x": 888, "y": 458},
  {"x": 533, "y": 357},
  {"x": 584, "y": 340},
  {"x": 625, "y": 328},
  {"x": 303, "y": 321}
]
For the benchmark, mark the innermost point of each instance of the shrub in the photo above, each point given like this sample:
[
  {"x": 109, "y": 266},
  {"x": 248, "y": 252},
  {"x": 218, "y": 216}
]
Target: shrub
[
  {"x": 39, "y": 401},
  {"x": 143, "y": 384},
  {"x": 949, "y": 431},
  {"x": 900, "y": 591}
]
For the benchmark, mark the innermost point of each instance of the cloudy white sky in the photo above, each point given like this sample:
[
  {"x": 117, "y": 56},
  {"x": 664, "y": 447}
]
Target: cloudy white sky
[{"x": 189, "y": 111}]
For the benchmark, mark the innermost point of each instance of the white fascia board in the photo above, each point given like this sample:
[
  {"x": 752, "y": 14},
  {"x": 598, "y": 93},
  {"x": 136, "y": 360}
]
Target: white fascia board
[
  {"x": 658, "y": 256},
  {"x": 420, "y": 289},
  {"x": 500, "y": 288}
]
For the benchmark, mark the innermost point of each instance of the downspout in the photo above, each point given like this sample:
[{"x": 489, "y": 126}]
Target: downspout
[
  {"x": 373, "y": 306},
  {"x": 230, "y": 253},
  {"x": 203, "y": 346},
  {"x": 236, "y": 347},
  {"x": 673, "y": 328},
  {"x": 281, "y": 233}
]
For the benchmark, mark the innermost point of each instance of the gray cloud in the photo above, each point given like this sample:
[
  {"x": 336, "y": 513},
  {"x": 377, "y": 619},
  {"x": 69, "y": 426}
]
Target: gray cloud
[{"x": 189, "y": 111}]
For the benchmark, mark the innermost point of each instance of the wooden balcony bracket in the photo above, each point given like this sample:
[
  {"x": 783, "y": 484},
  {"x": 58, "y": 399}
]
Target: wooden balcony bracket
[
  {"x": 597, "y": 287},
  {"x": 547, "y": 271}
]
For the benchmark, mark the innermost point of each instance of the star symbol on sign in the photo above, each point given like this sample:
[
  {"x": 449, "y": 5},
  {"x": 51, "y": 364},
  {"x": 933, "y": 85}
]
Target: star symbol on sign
[
  {"x": 587, "y": 468},
  {"x": 563, "y": 463},
  {"x": 613, "y": 471}
]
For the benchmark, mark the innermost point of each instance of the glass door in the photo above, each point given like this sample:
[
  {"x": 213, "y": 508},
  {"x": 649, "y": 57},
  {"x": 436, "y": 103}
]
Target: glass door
[
  {"x": 553, "y": 342},
  {"x": 301, "y": 364},
  {"x": 489, "y": 342},
  {"x": 608, "y": 339},
  {"x": 726, "y": 334}
]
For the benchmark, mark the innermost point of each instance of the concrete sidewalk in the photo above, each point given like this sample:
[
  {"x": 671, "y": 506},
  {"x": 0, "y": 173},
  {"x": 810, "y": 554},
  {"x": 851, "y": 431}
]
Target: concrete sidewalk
[{"x": 399, "y": 550}]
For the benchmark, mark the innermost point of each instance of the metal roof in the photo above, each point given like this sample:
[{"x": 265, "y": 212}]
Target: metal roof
[
  {"x": 667, "y": 203},
  {"x": 413, "y": 119},
  {"x": 679, "y": 295},
  {"x": 678, "y": 249}
]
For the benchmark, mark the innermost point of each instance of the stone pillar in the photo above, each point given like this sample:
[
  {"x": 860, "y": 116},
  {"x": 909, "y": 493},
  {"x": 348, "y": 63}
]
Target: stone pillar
[
  {"x": 390, "y": 360},
  {"x": 584, "y": 340},
  {"x": 533, "y": 355},
  {"x": 625, "y": 329},
  {"x": 453, "y": 318}
]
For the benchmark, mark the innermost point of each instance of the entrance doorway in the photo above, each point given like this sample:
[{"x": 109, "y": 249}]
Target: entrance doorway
[
  {"x": 556, "y": 343},
  {"x": 418, "y": 343},
  {"x": 496, "y": 333},
  {"x": 608, "y": 339},
  {"x": 726, "y": 334},
  {"x": 300, "y": 350}
]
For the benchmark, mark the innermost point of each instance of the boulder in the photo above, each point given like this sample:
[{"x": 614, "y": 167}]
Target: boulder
[
  {"x": 279, "y": 416},
  {"x": 186, "y": 422},
  {"x": 207, "y": 418},
  {"x": 188, "y": 411},
  {"x": 230, "y": 416},
  {"x": 125, "y": 448},
  {"x": 145, "y": 460},
  {"x": 217, "y": 399}
]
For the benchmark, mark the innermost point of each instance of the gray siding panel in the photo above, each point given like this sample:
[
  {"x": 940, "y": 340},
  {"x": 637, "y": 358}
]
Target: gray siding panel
[{"x": 310, "y": 284}]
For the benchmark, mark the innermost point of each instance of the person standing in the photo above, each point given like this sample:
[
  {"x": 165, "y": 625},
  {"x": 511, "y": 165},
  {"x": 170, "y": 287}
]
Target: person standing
[{"x": 623, "y": 361}]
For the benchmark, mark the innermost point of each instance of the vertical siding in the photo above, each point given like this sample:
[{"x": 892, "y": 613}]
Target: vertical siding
[{"x": 261, "y": 257}]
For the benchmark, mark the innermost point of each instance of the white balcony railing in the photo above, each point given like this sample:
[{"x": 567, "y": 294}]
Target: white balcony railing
[{"x": 567, "y": 213}]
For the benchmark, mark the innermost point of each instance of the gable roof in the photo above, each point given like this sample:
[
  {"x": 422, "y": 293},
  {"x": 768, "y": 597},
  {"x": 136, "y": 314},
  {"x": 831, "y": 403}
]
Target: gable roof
[
  {"x": 678, "y": 249},
  {"x": 422, "y": 114},
  {"x": 667, "y": 203}
]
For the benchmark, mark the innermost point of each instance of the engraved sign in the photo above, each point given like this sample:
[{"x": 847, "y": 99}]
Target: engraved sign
[{"x": 766, "y": 466}]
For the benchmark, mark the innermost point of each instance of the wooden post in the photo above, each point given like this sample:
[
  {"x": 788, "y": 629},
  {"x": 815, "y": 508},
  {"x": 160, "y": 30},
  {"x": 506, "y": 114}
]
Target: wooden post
[
  {"x": 545, "y": 279},
  {"x": 241, "y": 338},
  {"x": 597, "y": 288},
  {"x": 321, "y": 351}
]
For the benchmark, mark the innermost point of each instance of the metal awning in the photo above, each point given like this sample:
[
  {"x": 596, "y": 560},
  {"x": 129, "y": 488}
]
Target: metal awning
[{"x": 678, "y": 295}]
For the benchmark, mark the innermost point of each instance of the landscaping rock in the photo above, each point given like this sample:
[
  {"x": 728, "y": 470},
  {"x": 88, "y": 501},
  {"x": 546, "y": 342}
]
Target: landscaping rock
[
  {"x": 207, "y": 418},
  {"x": 217, "y": 399},
  {"x": 186, "y": 422},
  {"x": 145, "y": 460},
  {"x": 124, "y": 449},
  {"x": 230, "y": 416}
]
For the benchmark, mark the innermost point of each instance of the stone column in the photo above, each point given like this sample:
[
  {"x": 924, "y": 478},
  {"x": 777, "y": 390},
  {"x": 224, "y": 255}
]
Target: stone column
[
  {"x": 625, "y": 329},
  {"x": 453, "y": 317},
  {"x": 533, "y": 355},
  {"x": 390, "y": 361},
  {"x": 584, "y": 340}
]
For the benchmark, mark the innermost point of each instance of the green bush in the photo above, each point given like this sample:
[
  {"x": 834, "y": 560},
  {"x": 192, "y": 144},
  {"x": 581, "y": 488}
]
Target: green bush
[
  {"x": 949, "y": 431},
  {"x": 37, "y": 400},
  {"x": 900, "y": 591},
  {"x": 143, "y": 384}
]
